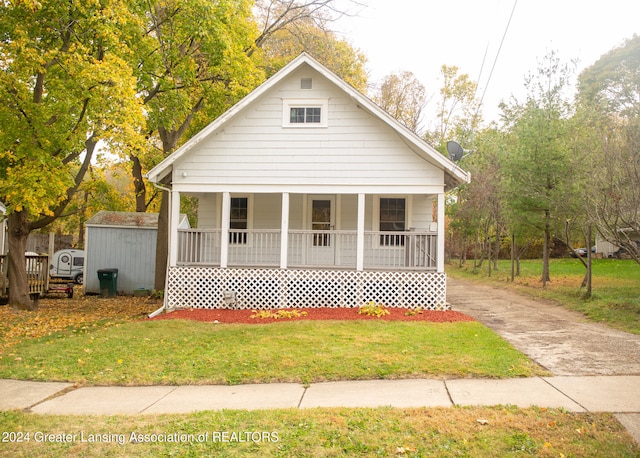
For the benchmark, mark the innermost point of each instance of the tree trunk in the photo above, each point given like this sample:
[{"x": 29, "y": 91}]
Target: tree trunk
[
  {"x": 463, "y": 251},
  {"x": 138, "y": 185},
  {"x": 475, "y": 251},
  {"x": 496, "y": 251},
  {"x": 513, "y": 257},
  {"x": 589, "y": 264},
  {"x": 169, "y": 144},
  {"x": 489, "y": 261},
  {"x": 18, "y": 285},
  {"x": 545, "y": 252},
  {"x": 83, "y": 219},
  {"x": 162, "y": 245}
]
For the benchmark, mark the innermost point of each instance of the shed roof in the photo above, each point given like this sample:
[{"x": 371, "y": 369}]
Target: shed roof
[{"x": 124, "y": 219}]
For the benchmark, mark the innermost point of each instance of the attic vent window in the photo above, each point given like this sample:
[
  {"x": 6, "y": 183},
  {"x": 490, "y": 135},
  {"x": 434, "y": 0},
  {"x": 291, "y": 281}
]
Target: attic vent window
[
  {"x": 306, "y": 83},
  {"x": 305, "y": 113}
]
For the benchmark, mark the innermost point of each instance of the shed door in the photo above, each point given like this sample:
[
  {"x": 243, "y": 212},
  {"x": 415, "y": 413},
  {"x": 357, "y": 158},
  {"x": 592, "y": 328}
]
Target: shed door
[{"x": 322, "y": 243}]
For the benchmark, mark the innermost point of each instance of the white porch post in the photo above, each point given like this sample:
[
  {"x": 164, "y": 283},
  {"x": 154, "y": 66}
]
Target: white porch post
[
  {"x": 441, "y": 234},
  {"x": 284, "y": 231},
  {"x": 174, "y": 219},
  {"x": 224, "y": 226},
  {"x": 360, "y": 234}
]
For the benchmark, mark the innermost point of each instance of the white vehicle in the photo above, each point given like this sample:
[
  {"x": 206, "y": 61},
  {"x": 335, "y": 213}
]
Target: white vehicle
[{"x": 68, "y": 264}]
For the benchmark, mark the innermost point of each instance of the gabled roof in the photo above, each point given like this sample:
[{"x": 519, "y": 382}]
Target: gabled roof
[{"x": 454, "y": 175}]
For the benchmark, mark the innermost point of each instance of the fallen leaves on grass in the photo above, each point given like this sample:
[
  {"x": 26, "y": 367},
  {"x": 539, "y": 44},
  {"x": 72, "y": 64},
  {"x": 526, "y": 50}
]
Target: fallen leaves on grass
[{"x": 56, "y": 314}]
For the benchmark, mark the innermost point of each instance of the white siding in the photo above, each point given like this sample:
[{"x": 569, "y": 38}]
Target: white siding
[
  {"x": 296, "y": 211},
  {"x": 349, "y": 213},
  {"x": 355, "y": 149},
  {"x": 422, "y": 212},
  {"x": 207, "y": 211},
  {"x": 267, "y": 211}
]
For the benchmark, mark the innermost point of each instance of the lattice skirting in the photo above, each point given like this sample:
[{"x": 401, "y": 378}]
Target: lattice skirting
[{"x": 202, "y": 287}]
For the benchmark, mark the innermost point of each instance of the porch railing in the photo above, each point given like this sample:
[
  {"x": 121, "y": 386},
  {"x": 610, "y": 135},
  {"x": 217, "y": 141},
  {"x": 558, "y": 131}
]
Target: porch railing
[
  {"x": 322, "y": 249},
  {"x": 400, "y": 250},
  {"x": 310, "y": 249}
]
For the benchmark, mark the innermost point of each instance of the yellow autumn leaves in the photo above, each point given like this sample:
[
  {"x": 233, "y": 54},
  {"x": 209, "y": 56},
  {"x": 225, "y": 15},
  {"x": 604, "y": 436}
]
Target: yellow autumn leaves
[{"x": 57, "y": 314}]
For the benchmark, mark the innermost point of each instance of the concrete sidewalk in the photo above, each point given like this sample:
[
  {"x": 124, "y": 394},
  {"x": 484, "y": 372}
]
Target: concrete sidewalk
[{"x": 615, "y": 394}]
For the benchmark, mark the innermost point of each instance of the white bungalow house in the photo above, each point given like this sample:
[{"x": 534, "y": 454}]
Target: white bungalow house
[{"x": 308, "y": 195}]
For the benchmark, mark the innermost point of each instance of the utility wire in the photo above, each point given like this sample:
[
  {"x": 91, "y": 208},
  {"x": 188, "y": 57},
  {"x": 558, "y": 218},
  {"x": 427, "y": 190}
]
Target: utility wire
[
  {"x": 484, "y": 59},
  {"x": 515, "y": 3}
]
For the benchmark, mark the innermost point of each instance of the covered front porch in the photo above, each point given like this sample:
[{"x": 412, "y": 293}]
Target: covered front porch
[
  {"x": 310, "y": 231},
  {"x": 279, "y": 250}
]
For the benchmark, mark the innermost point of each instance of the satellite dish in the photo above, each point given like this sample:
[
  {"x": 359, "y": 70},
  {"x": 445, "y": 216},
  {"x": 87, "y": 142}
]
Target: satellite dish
[{"x": 455, "y": 151}]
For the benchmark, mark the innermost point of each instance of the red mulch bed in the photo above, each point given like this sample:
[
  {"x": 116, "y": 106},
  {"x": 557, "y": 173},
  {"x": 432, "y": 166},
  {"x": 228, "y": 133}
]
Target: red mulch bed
[{"x": 244, "y": 316}]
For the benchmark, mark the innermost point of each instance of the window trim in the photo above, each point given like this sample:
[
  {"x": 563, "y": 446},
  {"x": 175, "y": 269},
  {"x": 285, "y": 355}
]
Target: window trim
[{"x": 288, "y": 104}]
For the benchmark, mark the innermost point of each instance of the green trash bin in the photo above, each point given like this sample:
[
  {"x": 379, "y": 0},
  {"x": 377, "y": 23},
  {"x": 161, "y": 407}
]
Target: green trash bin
[{"x": 108, "y": 282}]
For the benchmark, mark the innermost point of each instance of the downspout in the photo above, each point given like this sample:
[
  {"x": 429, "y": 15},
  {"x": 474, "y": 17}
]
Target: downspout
[{"x": 164, "y": 299}]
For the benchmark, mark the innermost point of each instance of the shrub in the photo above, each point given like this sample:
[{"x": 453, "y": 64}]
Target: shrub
[
  {"x": 373, "y": 309},
  {"x": 264, "y": 314}
]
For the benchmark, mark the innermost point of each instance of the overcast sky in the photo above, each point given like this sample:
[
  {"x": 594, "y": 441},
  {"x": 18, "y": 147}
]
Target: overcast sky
[{"x": 422, "y": 35}]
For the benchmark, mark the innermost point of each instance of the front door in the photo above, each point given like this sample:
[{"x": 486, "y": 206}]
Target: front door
[{"x": 322, "y": 243}]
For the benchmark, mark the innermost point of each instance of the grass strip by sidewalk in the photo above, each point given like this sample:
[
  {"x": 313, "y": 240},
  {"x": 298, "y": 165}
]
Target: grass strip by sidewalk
[
  {"x": 185, "y": 352},
  {"x": 437, "y": 432}
]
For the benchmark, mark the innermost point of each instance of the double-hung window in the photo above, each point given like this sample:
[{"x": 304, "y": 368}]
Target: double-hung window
[
  {"x": 392, "y": 219},
  {"x": 239, "y": 220}
]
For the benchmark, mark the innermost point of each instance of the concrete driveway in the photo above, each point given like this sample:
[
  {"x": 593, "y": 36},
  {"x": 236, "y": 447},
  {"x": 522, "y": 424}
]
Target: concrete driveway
[{"x": 560, "y": 340}]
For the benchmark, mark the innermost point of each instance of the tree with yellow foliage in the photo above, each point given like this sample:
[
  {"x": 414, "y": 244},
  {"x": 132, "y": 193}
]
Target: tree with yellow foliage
[{"x": 65, "y": 86}]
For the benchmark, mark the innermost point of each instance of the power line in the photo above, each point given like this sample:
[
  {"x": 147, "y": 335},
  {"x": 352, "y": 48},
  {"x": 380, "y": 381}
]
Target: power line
[
  {"x": 484, "y": 59},
  {"x": 515, "y": 3}
]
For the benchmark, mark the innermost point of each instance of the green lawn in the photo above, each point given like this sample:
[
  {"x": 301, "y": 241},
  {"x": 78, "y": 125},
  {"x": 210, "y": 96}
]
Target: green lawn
[
  {"x": 186, "y": 352},
  {"x": 105, "y": 342},
  {"x": 616, "y": 286},
  {"x": 386, "y": 432}
]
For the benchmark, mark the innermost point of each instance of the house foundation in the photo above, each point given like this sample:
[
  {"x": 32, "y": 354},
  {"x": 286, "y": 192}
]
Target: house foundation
[{"x": 263, "y": 289}]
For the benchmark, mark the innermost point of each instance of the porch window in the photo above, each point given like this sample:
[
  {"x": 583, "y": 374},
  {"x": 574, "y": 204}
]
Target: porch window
[
  {"x": 239, "y": 219},
  {"x": 392, "y": 219}
]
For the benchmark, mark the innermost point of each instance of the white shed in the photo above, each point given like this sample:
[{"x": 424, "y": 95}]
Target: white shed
[{"x": 125, "y": 241}]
